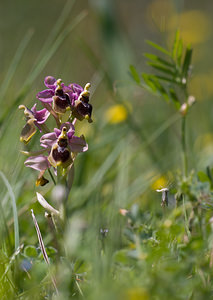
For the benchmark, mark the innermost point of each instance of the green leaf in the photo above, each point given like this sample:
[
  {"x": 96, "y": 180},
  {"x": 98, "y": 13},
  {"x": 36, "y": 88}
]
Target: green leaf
[
  {"x": 179, "y": 52},
  {"x": 158, "y": 59},
  {"x": 121, "y": 256},
  {"x": 174, "y": 98},
  {"x": 209, "y": 173},
  {"x": 155, "y": 85},
  {"x": 31, "y": 251},
  {"x": 51, "y": 251},
  {"x": 161, "y": 89},
  {"x": 162, "y": 69},
  {"x": 149, "y": 82},
  {"x": 203, "y": 177},
  {"x": 175, "y": 45},
  {"x": 187, "y": 61},
  {"x": 134, "y": 74},
  {"x": 161, "y": 49},
  {"x": 166, "y": 79}
]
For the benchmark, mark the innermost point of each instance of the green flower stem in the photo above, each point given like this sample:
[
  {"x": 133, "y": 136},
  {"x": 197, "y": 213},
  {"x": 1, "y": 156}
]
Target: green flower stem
[
  {"x": 186, "y": 218},
  {"x": 44, "y": 128},
  {"x": 62, "y": 180},
  {"x": 51, "y": 175},
  {"x": 183, "y": 141}
]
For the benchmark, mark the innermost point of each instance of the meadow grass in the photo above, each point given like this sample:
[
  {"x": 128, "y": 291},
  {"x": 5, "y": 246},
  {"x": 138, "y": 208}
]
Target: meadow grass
[{"x": 117, "y": 238}]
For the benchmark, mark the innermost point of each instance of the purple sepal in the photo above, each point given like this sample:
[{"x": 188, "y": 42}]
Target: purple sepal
[
  {"x": 76, "y": 90},
  {"x": 39, "y": 163},
  {"x": 50, "y": 82},
  {"x": 48, "y": 139},
  {"x": 45, "y": 96},
  {"x": 78, "y": 144},
  {"x": 40, "y": 115}
]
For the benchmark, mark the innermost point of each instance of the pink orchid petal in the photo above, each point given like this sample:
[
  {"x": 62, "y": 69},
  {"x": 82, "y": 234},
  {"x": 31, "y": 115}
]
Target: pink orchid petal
[
  {"x": 50, "y": 82},
  {"x": 48, "y": 139},
  {"x": 40, "y": 115},
  {"x": 70, "y": 129},
  {"x": 39, "y": 163},
  {"x": 78, "y": 144},
  {"x": 45, "y": 96},
  {"x": 57, "y": 132}
]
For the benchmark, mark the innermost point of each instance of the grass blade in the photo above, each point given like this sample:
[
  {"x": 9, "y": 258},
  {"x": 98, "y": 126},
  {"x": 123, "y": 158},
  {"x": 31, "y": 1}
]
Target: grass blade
[
  {"x": 83, "y": 193},
  {"x": 18, "y": 250},
  {"x": 55, "y": 31},
  {"x": 15, "y": 61},
  {"x": 40, "y": 66},
  {"x": 43, "y": 250},
  {"x": 15, "y": 214},
  {"x": 54, "y": 47}
]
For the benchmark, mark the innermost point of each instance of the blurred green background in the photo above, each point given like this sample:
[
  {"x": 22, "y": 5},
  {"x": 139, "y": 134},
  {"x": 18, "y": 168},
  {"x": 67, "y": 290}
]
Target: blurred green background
[{"x": 134, "y": 141}]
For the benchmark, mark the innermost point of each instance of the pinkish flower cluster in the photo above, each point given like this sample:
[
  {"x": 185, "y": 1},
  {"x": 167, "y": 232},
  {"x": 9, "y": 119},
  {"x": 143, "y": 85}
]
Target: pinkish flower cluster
[{"x": 60, "y": 146}]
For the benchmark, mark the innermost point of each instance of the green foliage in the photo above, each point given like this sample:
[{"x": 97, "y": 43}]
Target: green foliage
[
  {"x": 118, "y": 243},
  {"x": 172, "y": 72},
  {"x": 30, "y": 251}
]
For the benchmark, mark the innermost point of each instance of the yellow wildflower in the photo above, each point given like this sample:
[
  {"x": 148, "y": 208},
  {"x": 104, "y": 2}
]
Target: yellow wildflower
[
  {"x": 161, "y": 182},
  {"x": 116, "y": 114}
]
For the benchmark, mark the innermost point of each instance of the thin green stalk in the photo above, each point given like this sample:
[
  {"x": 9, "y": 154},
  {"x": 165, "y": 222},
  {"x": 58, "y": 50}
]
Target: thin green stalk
[
  {"x": 186, "y": 218},
  {"x": 62, "y": 180},
  {"x": 51, "y": 175},
  {"x": 14, "y": 64},
  {"x": 183, "y": 142},
  {"x": 15, "y": 213}
]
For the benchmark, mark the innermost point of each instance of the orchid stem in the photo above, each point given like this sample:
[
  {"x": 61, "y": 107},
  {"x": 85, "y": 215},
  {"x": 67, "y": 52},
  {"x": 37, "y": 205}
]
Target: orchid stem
[
  {"x": 53, "y": 113},
  {"x": 51, "y": 175},
  {"x": 44, "y": 128}
]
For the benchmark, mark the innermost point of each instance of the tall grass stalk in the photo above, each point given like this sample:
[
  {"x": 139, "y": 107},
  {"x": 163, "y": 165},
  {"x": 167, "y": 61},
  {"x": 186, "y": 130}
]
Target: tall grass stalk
[
  {"x": 183, "y": 142},
  {"x": 15, "y": 214}
]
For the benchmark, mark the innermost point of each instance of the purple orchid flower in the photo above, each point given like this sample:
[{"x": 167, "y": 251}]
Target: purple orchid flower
[
  {"x": 73, "y": 90},
  {"x": 33, "y": 118},
  {"x": 63, "y": 97},
  {"x": 41, "y": 164},
  {"x": 61, "y": 146},
  {"x": 60, "y": 95},
  {"x": 76, "y": 144},
  {"x": 40, "y": 115},
  {"x": 76, "y": 90},
  {"x": 82, "y": 109}
]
